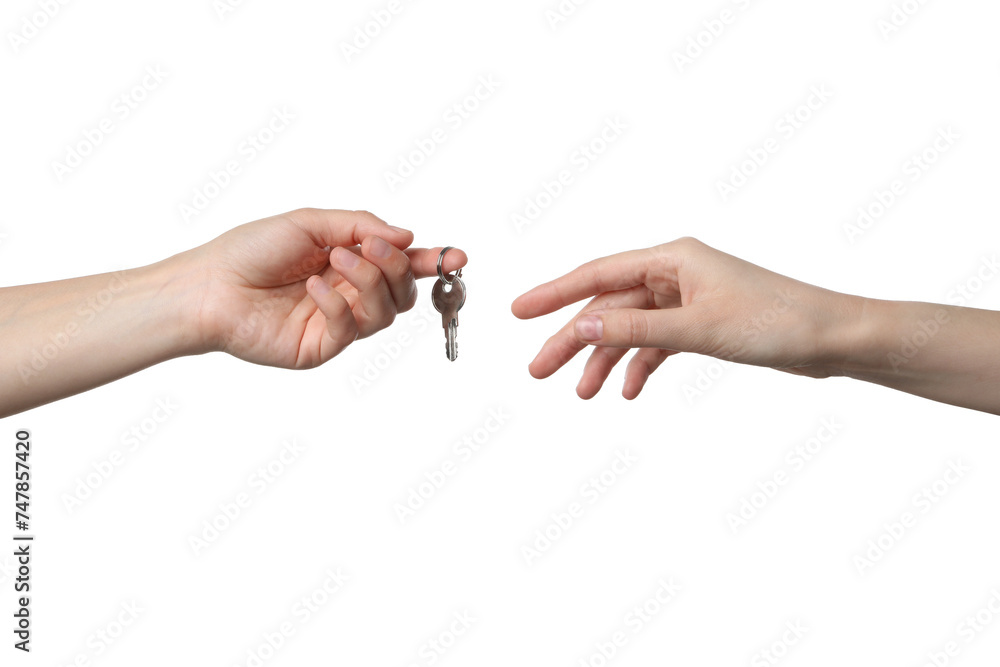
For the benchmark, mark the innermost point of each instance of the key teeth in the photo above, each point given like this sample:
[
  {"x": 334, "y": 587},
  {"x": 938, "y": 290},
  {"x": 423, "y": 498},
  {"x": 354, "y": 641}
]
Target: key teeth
[{"x": 451, "y": 342}]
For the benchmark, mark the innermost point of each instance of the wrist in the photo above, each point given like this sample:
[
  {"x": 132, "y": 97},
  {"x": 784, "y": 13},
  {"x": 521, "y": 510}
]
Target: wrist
[
  {"x": 867, "y": 337},
  {"x": 178, "y": 286}
]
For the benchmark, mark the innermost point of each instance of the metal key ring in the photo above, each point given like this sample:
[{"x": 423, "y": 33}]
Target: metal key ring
[{"x": 440, "y": 267}]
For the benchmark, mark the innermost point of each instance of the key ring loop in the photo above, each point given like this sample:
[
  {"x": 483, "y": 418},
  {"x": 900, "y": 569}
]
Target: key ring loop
[{"x": 447, "y": 280}]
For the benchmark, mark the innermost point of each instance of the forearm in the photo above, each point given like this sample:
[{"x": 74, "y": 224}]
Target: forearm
[
  {"x": 944, "y": 353},
  {"x": 65, "y": 337}
]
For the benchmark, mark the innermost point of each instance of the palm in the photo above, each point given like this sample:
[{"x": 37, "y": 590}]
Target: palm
[{"x": 259, "y": 305}]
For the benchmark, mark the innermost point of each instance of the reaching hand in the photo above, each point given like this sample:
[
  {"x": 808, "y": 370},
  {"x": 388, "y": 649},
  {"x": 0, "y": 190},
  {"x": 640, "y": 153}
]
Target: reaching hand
[{"x": 685, "y": 297}]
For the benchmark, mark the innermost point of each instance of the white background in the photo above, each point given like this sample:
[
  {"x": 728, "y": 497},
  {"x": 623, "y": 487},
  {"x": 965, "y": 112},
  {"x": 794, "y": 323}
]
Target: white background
[{"x": 697, "y": 458}]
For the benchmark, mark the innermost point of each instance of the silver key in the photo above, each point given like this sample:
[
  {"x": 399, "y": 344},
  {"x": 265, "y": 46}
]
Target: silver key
[{"x": 448, "y": 298}]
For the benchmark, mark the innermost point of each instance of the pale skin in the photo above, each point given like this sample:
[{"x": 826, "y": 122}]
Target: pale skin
[
  {"x": 685, "y": 296},
  {"x": 295, "y": 290},
  {"x": 291, "y": 291}
]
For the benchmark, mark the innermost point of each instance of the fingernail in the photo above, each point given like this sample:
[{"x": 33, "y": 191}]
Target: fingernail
[
  {"x": 379, "y": 248},
  {"x": 320, "y": 286},
  {"x": 398, "y": 229},
  {"x": 589, "y": 327},
  {"x": 346, "y": 258}
]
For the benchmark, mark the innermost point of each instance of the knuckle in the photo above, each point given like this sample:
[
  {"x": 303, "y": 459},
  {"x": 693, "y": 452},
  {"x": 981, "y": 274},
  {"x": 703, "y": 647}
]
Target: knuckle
[
  {"x": 371, "y": 276},
  {"x": 366, "y": 216},
  {"x": 344, "y": 330},
  {"x": 642, "y": 365},
  {"x": 591, "y": 274},
  {"x": 384, "y": 319},
  {"x": 305, "y": 214},
  {"x": 410, "y": 300},
  {"x": 562, "y": 347},
  {"x": 686, "y": 243},
  {"x": 634, "y": 328}
]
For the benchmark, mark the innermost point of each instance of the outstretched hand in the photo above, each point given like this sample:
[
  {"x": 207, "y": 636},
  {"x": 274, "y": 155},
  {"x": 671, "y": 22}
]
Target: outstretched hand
[{"x": 684, "y": 297}]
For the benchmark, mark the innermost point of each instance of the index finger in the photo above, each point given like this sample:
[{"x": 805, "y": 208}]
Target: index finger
[
  {"x": 333, "y": 228},
  {"x": 423, "y": 261},
  {"x": 608, "y": 274}
]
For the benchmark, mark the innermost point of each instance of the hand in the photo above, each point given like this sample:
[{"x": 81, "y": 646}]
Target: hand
[
  {"x": 687, "y": 297},
  {"x": 294, "y": 290}
]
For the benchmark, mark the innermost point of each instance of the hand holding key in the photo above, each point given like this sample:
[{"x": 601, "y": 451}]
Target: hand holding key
[
  {"x": 296, "y": 289},
  {"x": 291, "y": 290}
]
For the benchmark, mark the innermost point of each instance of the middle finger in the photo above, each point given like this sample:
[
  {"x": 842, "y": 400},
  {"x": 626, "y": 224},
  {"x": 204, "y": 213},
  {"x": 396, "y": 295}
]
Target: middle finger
[{"x": 564, "y": 345}]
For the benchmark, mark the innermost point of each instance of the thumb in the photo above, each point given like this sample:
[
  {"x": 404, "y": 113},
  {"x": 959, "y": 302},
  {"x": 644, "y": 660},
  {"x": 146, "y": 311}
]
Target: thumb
[{"x": 682, "y": 329}]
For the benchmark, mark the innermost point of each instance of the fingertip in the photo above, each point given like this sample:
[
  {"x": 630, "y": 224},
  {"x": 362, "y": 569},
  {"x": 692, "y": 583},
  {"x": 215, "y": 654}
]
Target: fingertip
[
  {"x": 342, "y": 259},
  {"x": 537, "y": 371},
  {"x": 518, "y": 309},
  {"x": 454, "y": 260},
  {"x": 631, "y": 386},
  {"x": 316, "y": 285},
  {"x": 399, "y": 237},
  {"x": 342, "y": 328},
  {"x": 376, "y": 247},
  {"x": 586, "y": 390}
]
